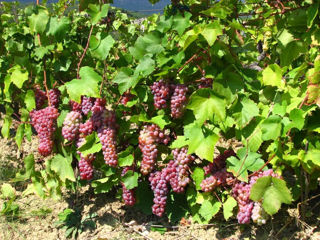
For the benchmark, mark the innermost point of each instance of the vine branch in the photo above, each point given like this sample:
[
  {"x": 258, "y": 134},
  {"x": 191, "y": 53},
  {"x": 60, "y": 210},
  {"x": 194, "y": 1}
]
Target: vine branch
[{"x": 84, "y": 52}]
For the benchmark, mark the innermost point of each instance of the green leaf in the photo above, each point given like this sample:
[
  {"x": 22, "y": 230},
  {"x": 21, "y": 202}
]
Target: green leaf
[
  {"x": 29, "y": 164},
  {"x": 150, "y": 43},
  {"x": 271, "y": 128},
  {"x": 312, "y": 12},
  {"x": 62, "y": 166},
  {"x": 7, "y": 191},
  {"x": 313, "y": 155},
  {"x": 218, "y": 10},
  {"x": 19, "y": 135},
  {"x": 297, "y": 118},
  {"x": 97, "y": 13},
  {"x": 249, "y": 161},
  {"x": 259, "y": 188},
  {"x": 180, "y": 142},
  {"x": 38, "y": 22},
  {"x": 272, "y": 76},
  {"x": 249, "y": 111},
  {"x": 273, "y": 192},
  {"x": 18, "y": 76},
  {"x": 125, "y": 79},
  {"x": 209, "y": 208},
  {"x": 205, "y": 105},
  {"x": 228, "y": 207},
  {"x": 180, "y": 23},
  {"x": 201, "y": 143},
  {"x": 59, "y": 27},
  {"x": 198, "y": 176},
  {"x": 145, "y": 67},
  {"x": 30, "y": 100},
  {"x": 91, "y": 145},
  {"x": 160, "y": 120},
  {"x": 211, "y": 31},
  {"x": 125, "y": 158},
  {"x": 88, "y": 85},
  {"x": 161, "y": 230},
  {"x": 130, "y": 179},
  {"x": 104, "y": 185},
  {"x": 102, "y": 50}
]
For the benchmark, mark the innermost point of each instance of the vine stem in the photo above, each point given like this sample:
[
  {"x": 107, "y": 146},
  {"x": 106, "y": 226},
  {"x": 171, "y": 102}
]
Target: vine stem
[
  {"x": 269, "y": 160},
  {"x": 84, "y": 52},
  {"x": 44, "y": 70}
]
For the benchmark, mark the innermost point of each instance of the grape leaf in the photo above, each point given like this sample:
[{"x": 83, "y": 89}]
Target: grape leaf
[
  {"x": 205, "y": 105},
  {"x": 88, "y": 85},
  {"x": 249, "y": 161},
  {"x": 228, "y": 207},
  {"x": 125, "y": 79},
  {"x": 62, "y": 166},
  {"x": 91, "y": 145},
  {"x": 130, "y": 179},
  {"x": 271, "y": 128},
  {"x": 273, "y": 192},
  {"x": 198, "y": 176},
  {"x": 272, "y": 76}
]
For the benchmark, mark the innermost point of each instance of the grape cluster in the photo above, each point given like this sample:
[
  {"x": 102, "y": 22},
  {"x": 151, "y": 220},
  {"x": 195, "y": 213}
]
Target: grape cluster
[
  {"x": 148, "y": 139},
  {"x": 86, "y": 128},
  {"x": 107, "y": 138},
  {"x": 206, "y": 83},
  {"x": 75, "y": 106},
  {"x": 178, "y": 100},
  {"x": 86, "y": 104},
  {"x": 85, "y": 166},
  {"x": 40, "y": 97},
  {"x": 128, "y": 194},
  {"x": 54, "y": 96},
  {"x": 219, "y": 162},
  {"x": 259, "y": 215},
  {"x": 126, "y": 97},
  {"x": 161, "y": 93},
  {"x": 219, "y": 178},
  {"x": 85, "y": 162},
  {"x": 241, "y": 192},
  {"x": 160, "y": 190},
  {"x": 44, "y": 122},
  {"x": 71, "y": 124}
]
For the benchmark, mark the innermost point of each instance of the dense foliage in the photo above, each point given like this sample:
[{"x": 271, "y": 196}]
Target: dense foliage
[{"x": 142, "y": 106}]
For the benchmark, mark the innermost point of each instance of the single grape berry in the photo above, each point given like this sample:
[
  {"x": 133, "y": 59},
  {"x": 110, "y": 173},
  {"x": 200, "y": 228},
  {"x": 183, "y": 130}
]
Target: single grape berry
[
  {"x": 44, "y": 121},
  {"x": 178, "y": 100},
  {"x": 54, "y": 96},
  {"x": 71, "y": 124},
  {"x": 161, "y": 93}
]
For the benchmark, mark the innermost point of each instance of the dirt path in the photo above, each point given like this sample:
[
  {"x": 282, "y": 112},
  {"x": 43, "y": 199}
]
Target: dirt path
[{"x": 115, "y": 221}]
